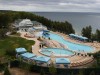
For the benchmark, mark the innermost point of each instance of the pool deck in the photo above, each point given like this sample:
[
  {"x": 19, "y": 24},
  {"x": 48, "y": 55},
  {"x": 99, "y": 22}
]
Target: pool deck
[{"x": 75, "y": 60}]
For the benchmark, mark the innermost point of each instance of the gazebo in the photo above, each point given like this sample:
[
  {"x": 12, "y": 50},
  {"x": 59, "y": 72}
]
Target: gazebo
[
  {"x": 20, "y": 51},
  {"x": 27, "y": 56},
  {"x": 42, "y": 60},
  {"x": 63, "y": 61},
  {"x": 81, "y": 38}
]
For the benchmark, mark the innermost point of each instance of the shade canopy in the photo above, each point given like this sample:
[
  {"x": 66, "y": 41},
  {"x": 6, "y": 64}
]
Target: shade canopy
[
  {"x": 20, "y": 50},
  {"x": 28, "y": 55},
  {"x": 79, "y": 37},
  {"x": 62, "y": 61},
  {"x": 41, "y": 59}
]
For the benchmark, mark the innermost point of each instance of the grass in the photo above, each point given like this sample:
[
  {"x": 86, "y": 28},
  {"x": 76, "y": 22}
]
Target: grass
[{"x": 10, "y": 43}]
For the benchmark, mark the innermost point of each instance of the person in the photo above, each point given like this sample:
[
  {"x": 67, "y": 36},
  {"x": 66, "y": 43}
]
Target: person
[{"x": 42, "y": 45}]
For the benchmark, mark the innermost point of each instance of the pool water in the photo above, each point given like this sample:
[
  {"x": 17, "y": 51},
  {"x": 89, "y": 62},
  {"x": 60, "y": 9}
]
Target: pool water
[
  {"x": 72, "y": 46},
  {"x": 56, "y": 52}
]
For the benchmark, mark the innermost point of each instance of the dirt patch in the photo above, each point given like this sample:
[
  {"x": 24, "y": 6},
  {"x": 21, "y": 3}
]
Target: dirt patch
[{"x": 17, "y": 71}]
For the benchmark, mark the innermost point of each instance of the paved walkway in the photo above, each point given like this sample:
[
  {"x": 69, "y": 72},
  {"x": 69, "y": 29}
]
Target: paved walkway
[{"x": 36, "y": 45}]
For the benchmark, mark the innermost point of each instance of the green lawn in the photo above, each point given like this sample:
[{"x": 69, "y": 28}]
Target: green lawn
[{"x": 10, "y": 43}]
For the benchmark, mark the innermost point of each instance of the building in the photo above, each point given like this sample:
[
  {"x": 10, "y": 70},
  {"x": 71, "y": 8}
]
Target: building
[
  {"x": 25, "y": 24},
  {"x": 38, "y": 26}
]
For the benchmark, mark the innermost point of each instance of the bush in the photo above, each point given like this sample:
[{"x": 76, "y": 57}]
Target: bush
[
  {"x": 42, "y": 72},
  {"x": 10, "y": 52},
  {"x": 1, "y": 67},
  {"x": 52, "y": 70},
  {"x": 14, "y": 32},
  {"x": 6, "y": 71}
]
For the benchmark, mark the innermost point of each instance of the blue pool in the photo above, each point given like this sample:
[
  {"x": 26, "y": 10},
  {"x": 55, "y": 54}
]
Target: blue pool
[
  {"x": 71, "y": 45},
  {"x": 56, "y": 52}
]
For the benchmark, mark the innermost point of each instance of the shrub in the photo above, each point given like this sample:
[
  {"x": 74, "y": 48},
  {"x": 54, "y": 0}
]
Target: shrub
[
  {"x": 52, "y": 70},
  {"x": 42, "y": 72},
  {"x": 6, "y": 71}
]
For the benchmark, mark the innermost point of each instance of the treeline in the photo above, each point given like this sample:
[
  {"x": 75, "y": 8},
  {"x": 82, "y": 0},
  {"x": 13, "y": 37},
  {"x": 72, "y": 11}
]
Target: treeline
[
  {"x": 6, "y": 18},
  {"x": 87, "y": 32}
]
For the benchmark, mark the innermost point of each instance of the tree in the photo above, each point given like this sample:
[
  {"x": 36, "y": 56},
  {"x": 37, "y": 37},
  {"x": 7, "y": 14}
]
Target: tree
[
  {"x": 3, "y": 33},
  {"x": 80, "y": 72},
  {"x": 72, "y": 73},
  {"x": 6, "y": 71},
  {"x": 5, "y": 19},
  {"x": 42, "y": 72},
  {"x": 87, "y": 31},
  {"x": 52, "y": 70},
  {"x": 98, "y": 35},
  {"x": 93, "y": 37},
  {"x": 92, "y": 73}
]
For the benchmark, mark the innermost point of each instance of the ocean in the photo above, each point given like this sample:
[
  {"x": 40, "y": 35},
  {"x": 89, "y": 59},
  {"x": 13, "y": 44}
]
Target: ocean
[{"x": 77, "y": 19}]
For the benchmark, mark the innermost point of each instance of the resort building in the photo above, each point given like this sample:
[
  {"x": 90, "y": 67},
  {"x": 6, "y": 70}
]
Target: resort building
[
  {"x": 38, "y": 26},
  {"x": 27, "y": 25}
]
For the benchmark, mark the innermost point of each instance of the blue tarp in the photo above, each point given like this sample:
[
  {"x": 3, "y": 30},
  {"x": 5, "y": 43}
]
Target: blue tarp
[
  {"x": 28, "y": 55},
  {"x": 62, "y": 61},
  {"x": 20, "y": 50},
  {"x": 41, "y": 59}
]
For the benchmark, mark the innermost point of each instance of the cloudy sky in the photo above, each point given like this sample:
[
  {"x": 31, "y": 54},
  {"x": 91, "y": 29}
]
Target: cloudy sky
[{"x": 51, "y": 5}]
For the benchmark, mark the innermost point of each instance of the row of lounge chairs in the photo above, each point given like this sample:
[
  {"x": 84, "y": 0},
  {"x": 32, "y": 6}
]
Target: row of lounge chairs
[{"x": 82, "y": 62}]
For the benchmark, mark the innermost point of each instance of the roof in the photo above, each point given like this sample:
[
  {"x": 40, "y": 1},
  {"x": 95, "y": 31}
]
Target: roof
[
  {"x": 35, "y": 22},
  {"x": 26, "y": 22},
  {"x": 41, "y": 59},
  {"x": 28, "y": 55},
  {"x": 31, "y": 29},
  {"x": 46, "y": 31},
  {"x": 40, "y": 27},
  {"x": 62, "y": 61},
  {"x": 77, "y": 36},
  {"x": 20, "y": 50}
]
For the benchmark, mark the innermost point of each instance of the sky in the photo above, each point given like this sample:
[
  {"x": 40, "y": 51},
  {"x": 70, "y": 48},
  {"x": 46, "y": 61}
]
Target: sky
[{"x": 51, "y": 5}]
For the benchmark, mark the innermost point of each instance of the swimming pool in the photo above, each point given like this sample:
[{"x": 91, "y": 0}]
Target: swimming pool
[
  {"x": 72, "y": 46},
  {"x": 56, "y": 52}
]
